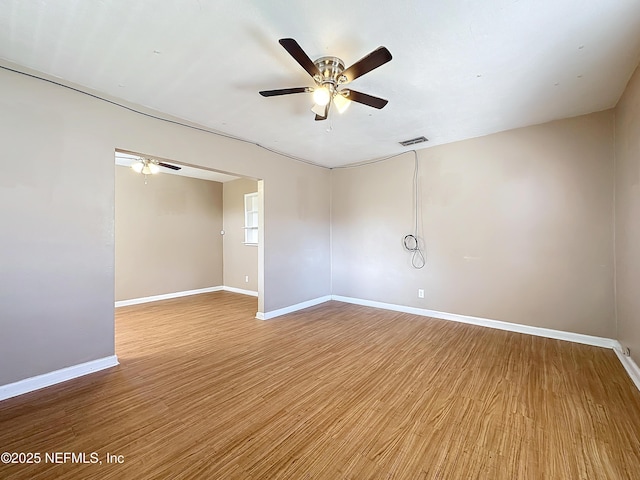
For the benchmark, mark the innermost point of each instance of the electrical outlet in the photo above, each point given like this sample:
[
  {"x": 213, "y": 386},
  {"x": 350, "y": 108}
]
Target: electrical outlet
[
  {"x": 246, "y": 278},
  {"x": 420, "y": 293}
]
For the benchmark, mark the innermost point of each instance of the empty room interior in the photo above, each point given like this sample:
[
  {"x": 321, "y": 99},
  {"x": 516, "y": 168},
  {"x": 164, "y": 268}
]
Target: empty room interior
[{"x": 261, "y": 240}]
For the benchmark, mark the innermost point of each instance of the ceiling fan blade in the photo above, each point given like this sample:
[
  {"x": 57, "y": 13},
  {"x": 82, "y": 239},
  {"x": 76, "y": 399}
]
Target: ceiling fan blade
[
  {"x": 167, "y": 165},
  {"x": 283, "y": 91},
  {"x": 370, "y": 100},
  {"x": 326, "y": 114},
  {"x": 295, "y": 50},
  {"x": 378, "y": 57}
]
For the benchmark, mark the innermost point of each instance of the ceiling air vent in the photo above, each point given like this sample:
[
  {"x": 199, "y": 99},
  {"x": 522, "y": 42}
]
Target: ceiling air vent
[{"x": 413, "y": 141}]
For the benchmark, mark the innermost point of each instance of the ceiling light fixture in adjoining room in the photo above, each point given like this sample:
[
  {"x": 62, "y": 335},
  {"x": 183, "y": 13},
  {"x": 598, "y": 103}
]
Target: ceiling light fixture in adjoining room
[
  {"x": 149, "y": 166},
  {"x": 145, "y": 166}
]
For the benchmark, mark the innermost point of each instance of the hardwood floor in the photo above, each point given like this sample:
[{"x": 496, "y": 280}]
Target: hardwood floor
[{"x": 336, "y": 391}]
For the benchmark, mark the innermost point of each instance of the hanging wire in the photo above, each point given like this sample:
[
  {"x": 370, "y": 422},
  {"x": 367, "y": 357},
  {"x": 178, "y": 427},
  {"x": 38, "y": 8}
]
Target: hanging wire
[
  {"x": 157, "y": 117},
  {"x": 411, "y": 242},
  {"x": 194, "y": 127}
]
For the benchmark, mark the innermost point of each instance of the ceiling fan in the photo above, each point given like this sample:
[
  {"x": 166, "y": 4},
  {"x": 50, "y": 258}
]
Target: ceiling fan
[
  {"x": 329, "y": 75},
  {"x": 150, "y": 166}
]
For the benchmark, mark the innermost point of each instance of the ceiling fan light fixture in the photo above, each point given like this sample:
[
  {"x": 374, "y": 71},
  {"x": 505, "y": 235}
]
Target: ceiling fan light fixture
[
  {"x": 329, "y": 73},
  {"x": 318, "y": 110},
  {"x": 321, "y": 96},
  {"x": 341, "y": 103},
  {"x": 145, "y": 167}
]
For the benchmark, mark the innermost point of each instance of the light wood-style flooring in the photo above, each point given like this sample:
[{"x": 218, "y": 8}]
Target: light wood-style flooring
[{"x": 336, "y": 391}]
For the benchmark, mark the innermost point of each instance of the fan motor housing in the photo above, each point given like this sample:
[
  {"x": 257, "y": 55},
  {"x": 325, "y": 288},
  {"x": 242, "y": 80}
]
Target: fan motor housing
[{"x": 331, "y": 69}]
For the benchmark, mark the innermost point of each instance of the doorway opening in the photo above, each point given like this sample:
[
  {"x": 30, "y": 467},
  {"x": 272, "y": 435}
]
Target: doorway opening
[{"x": 185, "y": 230}]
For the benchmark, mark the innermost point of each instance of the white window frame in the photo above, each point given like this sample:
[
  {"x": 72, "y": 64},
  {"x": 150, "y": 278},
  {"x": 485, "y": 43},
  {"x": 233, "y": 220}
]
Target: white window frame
[{"x": 251, "y": 218}]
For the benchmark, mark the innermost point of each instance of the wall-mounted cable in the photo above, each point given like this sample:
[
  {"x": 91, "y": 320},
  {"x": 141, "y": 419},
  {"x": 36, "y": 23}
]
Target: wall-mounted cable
[
  {"x": 194, "y": 127},
  {"x": 411, "y": 242},
  {"x": 158, "y": 117}
]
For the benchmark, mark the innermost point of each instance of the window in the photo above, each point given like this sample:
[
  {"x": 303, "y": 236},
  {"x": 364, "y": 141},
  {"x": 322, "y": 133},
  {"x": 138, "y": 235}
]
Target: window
[{"x": 251, "y": 218}]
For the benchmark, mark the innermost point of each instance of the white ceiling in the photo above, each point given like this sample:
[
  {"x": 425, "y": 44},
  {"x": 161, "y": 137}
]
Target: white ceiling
[
  {"x": 126, "y": 160},
  {"x": 460, "y": 68}
]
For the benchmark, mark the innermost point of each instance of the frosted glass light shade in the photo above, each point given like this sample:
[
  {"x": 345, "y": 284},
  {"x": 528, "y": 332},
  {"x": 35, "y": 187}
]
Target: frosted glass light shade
[
  {"x": 318, "y": 110},
  {"x": 341, "y": 103},
  {"x": 321, "y": 96},
  {"x": 146, "y": 167}
]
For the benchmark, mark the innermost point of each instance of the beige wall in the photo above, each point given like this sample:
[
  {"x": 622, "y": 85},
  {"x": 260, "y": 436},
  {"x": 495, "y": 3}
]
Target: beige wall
[
  {"x": 240, "y": 260},
  {"x": 628, "y": 216},
  {"x": 57, "y": 204},
  {"x": 56, "y": 246},
  {"x": 167, "y": 234},
  {"x": 517, "y": 227}
]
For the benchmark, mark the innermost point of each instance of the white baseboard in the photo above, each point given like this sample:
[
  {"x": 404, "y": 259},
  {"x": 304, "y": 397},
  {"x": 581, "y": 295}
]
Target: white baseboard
[
  {"x": 240, "y": 290},
  {"x": 630, "y": 366},
  {"x": 57, "y": 376},
  {"x": 484, "y": 322},
  {"x": 166, "y": 296},
  {"x": 292, "y": 308}
]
